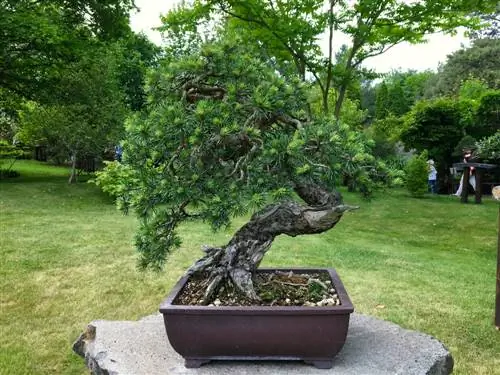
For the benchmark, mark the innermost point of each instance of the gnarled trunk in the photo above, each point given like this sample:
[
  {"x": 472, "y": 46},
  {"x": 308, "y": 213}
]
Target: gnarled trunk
[{"x": 238, "y": 260}]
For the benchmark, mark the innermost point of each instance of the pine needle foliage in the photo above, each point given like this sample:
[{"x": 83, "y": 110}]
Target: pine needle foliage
[{"x": 224, "y": 134}]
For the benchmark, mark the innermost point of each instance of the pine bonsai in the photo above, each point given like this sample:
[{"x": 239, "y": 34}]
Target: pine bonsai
[{"x": 225, "y": 134}]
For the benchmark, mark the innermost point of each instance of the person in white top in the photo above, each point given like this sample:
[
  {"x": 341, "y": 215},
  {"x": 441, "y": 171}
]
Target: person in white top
[{"x": 432, "y": 176}]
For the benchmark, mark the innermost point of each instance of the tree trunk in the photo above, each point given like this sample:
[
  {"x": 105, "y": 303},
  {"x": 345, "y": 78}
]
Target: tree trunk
[
  {"x": 73, "y": 174},
  {"x": 238, "y": 260},
  {"x": 340, "y": 100},
  {"x": 346, "y": 79},
  {"x": 330, "y": 55}
]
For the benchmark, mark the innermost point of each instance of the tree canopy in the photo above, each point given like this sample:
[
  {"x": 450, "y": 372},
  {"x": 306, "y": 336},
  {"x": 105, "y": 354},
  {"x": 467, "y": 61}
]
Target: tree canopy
[
  {"x": 71, "y": 70},
  {"x": 86, "y": 117},
  {"x": 479, "y": 61},
  {"x": 39, "y": 38},
  {"x": 224, "y": 134},
  {"x": 289, "y": 32}
]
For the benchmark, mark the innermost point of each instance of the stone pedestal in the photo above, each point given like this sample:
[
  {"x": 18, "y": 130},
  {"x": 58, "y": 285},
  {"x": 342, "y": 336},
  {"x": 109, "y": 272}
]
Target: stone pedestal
[{"x": 373, "y": 347}]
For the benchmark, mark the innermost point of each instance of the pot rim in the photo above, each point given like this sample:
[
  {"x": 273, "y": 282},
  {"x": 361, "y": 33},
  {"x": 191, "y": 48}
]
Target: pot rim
[{"x": 346, "y": 306}]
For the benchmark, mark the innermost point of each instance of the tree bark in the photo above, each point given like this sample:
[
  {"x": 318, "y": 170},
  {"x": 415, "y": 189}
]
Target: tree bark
[
  {"x": 73, "y": 175},
  {"x": 330, "y": 55},
  {"x": 237, "y": 261}
]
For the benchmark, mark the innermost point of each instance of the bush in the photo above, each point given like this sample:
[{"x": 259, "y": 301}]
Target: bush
[
  {"x": 417, "y": 174},
  {"x": 115, "y": 180},
  {"x": 397, "y": 167},
  {"x": 488, "y": 149},
  {"x": 487, "y": 115}
]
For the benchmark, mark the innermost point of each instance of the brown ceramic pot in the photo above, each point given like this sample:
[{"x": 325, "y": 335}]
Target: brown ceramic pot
[{"x": 311, "y": 334}]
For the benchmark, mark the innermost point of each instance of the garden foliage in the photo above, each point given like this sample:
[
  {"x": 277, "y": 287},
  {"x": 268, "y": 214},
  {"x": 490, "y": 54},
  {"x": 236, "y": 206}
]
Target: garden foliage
[{"x": 417, "y": 174}]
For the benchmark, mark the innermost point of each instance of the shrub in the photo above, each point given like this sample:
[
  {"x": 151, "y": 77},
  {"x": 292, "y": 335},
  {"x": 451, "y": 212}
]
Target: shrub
[
  {"x": 488, "y": 149},
  {"x": 114, "y": 180},
  {"x": 488, "y": 118},
  {"x": 417, "y": 174}
]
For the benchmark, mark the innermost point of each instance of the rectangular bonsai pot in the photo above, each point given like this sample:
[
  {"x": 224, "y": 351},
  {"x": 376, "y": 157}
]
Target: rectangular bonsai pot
[{"x": 311, "y": 334}]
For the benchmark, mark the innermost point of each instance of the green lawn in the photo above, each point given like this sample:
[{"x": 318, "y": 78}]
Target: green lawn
[{"x": 67, "y": 258}]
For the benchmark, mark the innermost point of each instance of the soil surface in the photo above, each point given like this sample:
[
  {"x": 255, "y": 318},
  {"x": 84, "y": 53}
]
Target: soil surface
[{"x": 276, "y": 288}]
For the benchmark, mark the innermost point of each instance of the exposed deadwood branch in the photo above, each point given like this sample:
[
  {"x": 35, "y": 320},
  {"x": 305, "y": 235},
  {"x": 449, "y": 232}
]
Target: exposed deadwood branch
[
  {"x": 194, "y": 93},
  {"x": 238, "y": 164},
  {"x": 289, "y": 120},
  {"x": 170, "y": 164},
  {"x": 243, "y": 160}
]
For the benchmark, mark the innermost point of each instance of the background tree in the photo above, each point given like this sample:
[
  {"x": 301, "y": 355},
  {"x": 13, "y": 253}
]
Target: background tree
[
  {"x": 86, "y": 117},
  {"x": 473, "y": 89},
  {"x": 488, "y": 115},
  {"x": 368, "y": 99},
  {"x": 137, "y": 55},
  {"x": 50, "y": 55},
  {"x": 373, "y": 27},
  {"x": 40, "y": 38},
  {"x": 436, "y": 126},
  {"x": 386, "y": 134},
  {"x": 399, "y": 91},
  {"x": 491, "y": 28},
  {"x": 399, "y": 103},
  {"x": 480, "y": 61},
  {"x": 382, "y": 103}
]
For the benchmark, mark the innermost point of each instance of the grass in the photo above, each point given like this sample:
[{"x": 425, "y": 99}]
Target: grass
[{"x": 67, "y": 258}]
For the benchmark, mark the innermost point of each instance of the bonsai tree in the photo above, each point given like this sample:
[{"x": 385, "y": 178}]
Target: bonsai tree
[{"x": 225, "y": 134}]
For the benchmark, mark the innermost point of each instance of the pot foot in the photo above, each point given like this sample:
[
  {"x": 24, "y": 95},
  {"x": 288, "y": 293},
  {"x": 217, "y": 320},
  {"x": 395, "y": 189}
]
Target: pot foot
[
  {"x": 324, "y": 365},
  {"x": 195, "y": 363}
]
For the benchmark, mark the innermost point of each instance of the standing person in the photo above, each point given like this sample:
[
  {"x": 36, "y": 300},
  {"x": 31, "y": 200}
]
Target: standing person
[
  {"x": 118, "y": 152},
  {"x": 432, "y": 176},
  {"x": 472, "y": 176}
]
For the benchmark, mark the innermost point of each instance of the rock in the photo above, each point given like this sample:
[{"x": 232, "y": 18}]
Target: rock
[
  {"x": 330, "y": 302},
  {"x": 373, "y": 347}
]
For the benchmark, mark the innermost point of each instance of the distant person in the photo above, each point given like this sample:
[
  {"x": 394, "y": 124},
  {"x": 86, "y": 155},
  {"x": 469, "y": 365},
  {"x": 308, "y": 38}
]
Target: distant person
[
  {"x": 472, "y": 176},
  {"x": 118, "y": 153},
  {"x": 432, "y": 177}
]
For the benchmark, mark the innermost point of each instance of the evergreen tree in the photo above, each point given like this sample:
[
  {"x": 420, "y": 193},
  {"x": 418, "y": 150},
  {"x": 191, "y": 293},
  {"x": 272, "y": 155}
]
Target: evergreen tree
[
  {"x": 224, "y": 134},
  {"x": 382, "y": 103}
]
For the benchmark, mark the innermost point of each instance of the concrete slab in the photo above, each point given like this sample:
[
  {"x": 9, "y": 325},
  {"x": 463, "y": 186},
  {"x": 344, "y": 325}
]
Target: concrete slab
[{"x": 373, "y": 347}]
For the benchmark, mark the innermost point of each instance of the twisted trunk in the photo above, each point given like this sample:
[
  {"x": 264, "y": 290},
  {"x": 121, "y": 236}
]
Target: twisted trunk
[{"x": 238, "y": 260}]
